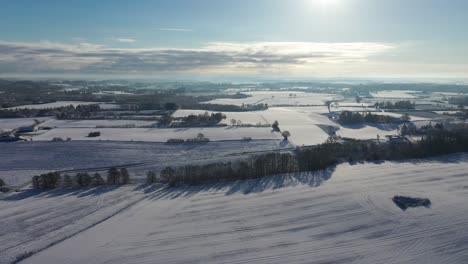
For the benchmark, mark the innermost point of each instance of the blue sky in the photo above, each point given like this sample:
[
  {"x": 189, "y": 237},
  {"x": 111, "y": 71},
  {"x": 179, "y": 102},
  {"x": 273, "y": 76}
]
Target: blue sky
[{"x": 296, "y": 38}]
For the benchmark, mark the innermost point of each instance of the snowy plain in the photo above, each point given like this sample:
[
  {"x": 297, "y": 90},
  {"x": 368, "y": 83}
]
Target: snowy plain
[
  {"x": 343, "y": 215},
  {"x": 278, "y": 98},
  {"x": 160, "y": 134},
  {"x": 22, "y": 160},
  {"x": 53, "y": 105}
]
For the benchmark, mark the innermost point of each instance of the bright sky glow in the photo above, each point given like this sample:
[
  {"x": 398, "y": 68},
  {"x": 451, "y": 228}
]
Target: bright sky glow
[{"x": 263, "y": 38}]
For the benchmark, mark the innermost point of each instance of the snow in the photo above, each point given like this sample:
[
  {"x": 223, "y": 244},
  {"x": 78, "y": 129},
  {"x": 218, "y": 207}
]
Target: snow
[
  {"x": 53, "y": 105},
  {"x": 273, "y": 98},
  {"x": 368, "y": 131},
  {"x": 160, "y": 134},
  {"x": 22, "y": 160},
  {"x": 403, "y": 94},
  {"x": 301, "y": 123},
  {"x": 14, "y": 123},
  {"x": 344, "y": 215},
  {"x": 251, "y": 117},
  {"x": 96, "y": 123}
]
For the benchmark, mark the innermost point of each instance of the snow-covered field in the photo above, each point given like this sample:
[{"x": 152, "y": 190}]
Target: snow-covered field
[
  {"x": 53, "y": 105},
  {"x": 14, "y": 123},
  {"x": 368, "y": 131},
  {"x": 251, "y": 117},
  {"x": 95, "y": 123},
  {"x": 396, "y": 94},
  {"x": 344, "y": 215},
  {"x": 22, "y": 160},
  {"x": 301, "y": 123},
  {"x": 273, "y": 98},
  {"x": 160, "y": 134}
]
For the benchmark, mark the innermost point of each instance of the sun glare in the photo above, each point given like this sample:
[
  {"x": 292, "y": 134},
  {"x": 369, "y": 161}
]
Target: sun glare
[{"x": 325, "y": 3}]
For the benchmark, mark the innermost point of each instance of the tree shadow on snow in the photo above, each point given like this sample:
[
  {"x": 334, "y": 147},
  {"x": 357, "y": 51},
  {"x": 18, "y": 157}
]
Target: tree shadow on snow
[
  {"x": 78, "y": 192},
  {"x": 245, "y": 187}
]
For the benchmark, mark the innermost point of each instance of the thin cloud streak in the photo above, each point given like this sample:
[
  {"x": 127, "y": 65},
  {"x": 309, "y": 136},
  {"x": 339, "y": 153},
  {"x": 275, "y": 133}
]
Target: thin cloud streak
[
  {"x": 124, "y": 40},
  {"x": 176, "y": 29}
]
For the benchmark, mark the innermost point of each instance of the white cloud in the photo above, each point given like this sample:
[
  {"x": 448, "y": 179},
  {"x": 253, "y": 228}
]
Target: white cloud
[
  {"x": 213, "y": 58},
  {"x": 124, "y": 40}
]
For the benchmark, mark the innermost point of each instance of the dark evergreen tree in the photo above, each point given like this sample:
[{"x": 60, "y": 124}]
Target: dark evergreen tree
[
  {"x": 97, "y": 180},
  {"x": 67, "y": 181},
  {"x": 113, "y": 176},
  {"x": 124, "y": 176}
]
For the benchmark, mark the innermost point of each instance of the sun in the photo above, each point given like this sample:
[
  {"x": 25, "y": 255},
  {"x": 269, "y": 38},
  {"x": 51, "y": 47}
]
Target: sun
[{"x": 325, "y": 3}]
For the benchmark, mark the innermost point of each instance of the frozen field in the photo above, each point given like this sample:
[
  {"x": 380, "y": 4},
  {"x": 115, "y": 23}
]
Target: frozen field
[
  {"x": 22, "y": 160},
  {"x": 160, "y": 134},
  {"x": 273, "y": 98},
  {"x": 96, "y": 123},
  {"x": 368, "y": 131},
  {"x": 251, "y": 117},
  {"x": 53, "y": 105},
  {"x": 396, "y": 94},
  {"x": 341, "y": 216},
  {"x": 14, "y": 123}
]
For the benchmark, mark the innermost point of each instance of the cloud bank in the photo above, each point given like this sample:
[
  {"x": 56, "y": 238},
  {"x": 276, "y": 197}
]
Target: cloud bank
[{"x": 218, "y": 57}]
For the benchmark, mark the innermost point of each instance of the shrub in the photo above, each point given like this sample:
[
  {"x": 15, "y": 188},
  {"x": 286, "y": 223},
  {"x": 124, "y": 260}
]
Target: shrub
[
  {"x": 94, "y": 134},
  {"x": 175, "y": 141}
]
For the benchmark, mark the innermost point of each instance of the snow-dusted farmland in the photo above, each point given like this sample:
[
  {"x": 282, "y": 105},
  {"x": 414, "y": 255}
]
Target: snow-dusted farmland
[
  {"x": 396, "y": 94},
  {"x": 160, "y": 134},
  {"x": 53, "y": 105},
  {"x": 22, "y": 160},
  {"x": 340, "y": 216},
  {"x": 273, "y": 98},
  {"x": 14, "y": 123},
  {"x": 368, "y": 131},
  {"x": 301, "y": 124},
  {"x": 96, "y": 123},
  {"x": 251, "y": 117}
]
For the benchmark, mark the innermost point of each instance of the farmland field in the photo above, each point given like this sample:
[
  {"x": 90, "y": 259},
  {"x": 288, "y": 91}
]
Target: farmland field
[{"x": 344, "y": 215}]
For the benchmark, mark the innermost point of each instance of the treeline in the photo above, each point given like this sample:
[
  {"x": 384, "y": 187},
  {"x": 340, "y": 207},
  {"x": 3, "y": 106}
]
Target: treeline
[
  {"x": 202, "y": 118},
  {"x": 230, "y": 108},
  {"x": 268, "y": 164},
  {"x": 459, "y": 100},
  {"x": 63, "y": 112},
  {"x": 200, "y": 138},
  {"x": 437, "y": 142},
  {"x": 395, "y": 105},
  {"x": 348, "y": 118},
  {"x": 54, "y": 180}
]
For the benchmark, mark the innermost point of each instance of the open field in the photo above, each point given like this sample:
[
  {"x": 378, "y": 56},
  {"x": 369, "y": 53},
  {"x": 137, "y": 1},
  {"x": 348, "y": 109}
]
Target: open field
[
  {"x": 96, "y": 123},
  {"x": 275, "y": 98},
  {"x": 14, "y": 123},
  {"x": 53, "y": 105},
  {"x": 344, "y": 215},
  {"x": 160, "y": 134},
  {"x": 396, "y": 94},
  {"x": 368, "y": 131},
  {"x": 22, "y": 160}
]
